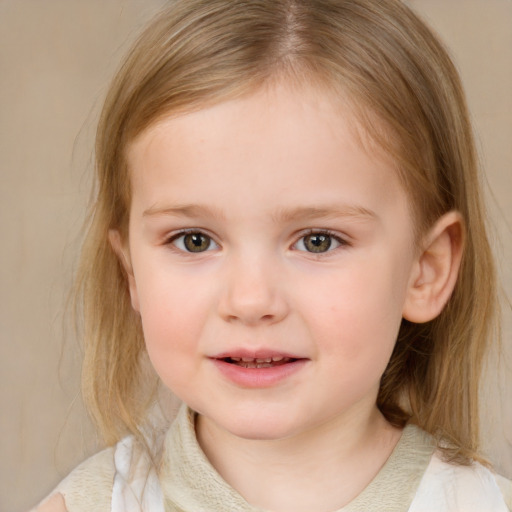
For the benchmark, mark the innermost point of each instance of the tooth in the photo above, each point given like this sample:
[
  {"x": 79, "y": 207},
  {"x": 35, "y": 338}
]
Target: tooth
[
  {"x": 264, "y": 360},
  {"x": 247, "y": 359},
  {"x": 256, "y": 364},
  {"x": 277, "y": 358},
  {"x": 237, "y": 359}
]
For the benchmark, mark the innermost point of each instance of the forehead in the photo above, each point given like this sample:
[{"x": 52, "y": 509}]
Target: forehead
[{"x": 295, "y": 136}]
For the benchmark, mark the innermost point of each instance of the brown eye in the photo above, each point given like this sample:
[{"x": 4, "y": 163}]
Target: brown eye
[
  {"x": 194, "y": 242},
  {"x": 317, "y": 242}
]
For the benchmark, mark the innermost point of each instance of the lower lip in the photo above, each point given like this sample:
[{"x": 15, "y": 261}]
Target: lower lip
[{"x": 258, "y": 377}]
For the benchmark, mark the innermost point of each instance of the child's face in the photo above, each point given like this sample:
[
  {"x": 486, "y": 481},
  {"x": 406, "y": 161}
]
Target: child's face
[{"x": 260, "y": 228}]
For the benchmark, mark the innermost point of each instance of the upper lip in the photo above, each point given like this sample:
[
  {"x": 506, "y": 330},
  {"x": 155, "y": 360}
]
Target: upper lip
[{"x": 255, "y": 354}]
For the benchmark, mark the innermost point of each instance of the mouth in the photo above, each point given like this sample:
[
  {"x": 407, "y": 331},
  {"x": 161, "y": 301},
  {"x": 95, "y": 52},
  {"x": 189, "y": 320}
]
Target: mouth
[
  {"x": 262, "y": 362},
  {"x": 262, "y": 369}
]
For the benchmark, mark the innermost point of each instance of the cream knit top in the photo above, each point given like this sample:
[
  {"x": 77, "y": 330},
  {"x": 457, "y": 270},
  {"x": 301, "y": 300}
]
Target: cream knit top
[{"x": 413, "y": 479}]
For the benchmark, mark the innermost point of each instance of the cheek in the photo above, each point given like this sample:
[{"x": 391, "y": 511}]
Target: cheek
[
  {"x": 357, "y": 314},
  {"x": 172, "y": 315}
]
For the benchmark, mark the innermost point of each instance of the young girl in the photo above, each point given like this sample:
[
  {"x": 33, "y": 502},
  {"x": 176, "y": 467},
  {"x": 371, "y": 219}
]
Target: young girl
[{"x": 289, "y": 233}]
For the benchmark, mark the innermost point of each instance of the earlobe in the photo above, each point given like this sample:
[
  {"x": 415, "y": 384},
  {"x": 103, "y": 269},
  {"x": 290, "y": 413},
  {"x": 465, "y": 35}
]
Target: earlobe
[
  {"x": 435, "y": 270},
  {"x": 123, "y": 254}
]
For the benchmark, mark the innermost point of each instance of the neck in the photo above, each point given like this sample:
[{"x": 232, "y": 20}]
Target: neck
[{"x": 321, "y": 469}]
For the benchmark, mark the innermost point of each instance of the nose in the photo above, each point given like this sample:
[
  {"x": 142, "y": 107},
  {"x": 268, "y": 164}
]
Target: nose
[{"x": 253, "y": 294}]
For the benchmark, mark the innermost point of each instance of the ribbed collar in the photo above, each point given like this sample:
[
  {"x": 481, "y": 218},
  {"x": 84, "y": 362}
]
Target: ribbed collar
[{"x": 191, "y": 484}]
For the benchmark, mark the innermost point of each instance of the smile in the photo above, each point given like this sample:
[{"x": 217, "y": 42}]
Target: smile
[
  {"x": 250, "y": 362},
  {"x": 258, "y": 370}
]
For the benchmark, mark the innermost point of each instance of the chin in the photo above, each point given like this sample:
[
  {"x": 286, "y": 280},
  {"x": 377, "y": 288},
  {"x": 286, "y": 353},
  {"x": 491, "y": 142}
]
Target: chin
[{"x": 261, "y": 427}]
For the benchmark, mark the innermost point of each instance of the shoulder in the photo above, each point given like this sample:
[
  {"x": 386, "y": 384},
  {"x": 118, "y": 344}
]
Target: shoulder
[
  {"x": 88, "y": 487},
  {"x": 506, "y": 488},
  {"x": 55, "y": 503},
  {"x": 455, "y": 488}
]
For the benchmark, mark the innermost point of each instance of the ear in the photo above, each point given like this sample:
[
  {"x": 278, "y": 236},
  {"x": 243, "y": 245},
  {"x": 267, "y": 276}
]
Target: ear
[
  {"x": 435, "y": 271},
  {"x": 123, "y": 254}
]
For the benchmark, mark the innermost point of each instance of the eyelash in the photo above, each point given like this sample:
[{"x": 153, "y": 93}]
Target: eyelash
[
  {"x": 310, "y": 233},
  {"x": 182, "y": 234},
  {"x": 341, "y": 242}
]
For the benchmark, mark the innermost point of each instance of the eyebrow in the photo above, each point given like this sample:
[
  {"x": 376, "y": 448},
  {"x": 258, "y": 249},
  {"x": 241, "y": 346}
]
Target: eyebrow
[
  {"x": 324, "y": 212},
  {"x": 186, "y": 210},
  {"x": 285, "y": 215}
]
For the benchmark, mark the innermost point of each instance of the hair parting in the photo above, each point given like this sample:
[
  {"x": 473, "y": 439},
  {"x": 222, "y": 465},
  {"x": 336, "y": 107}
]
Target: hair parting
[{"x": 383, "y": 61}]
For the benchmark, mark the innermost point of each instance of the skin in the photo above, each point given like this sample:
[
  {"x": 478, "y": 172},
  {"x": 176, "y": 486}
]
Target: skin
[
  {"x": 54, "y": 503},
  {"x": 255, "y": 177}
]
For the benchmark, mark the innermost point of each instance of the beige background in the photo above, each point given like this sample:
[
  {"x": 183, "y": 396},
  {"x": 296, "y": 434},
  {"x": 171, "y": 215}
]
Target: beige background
[{"x": 56, "y": 57}]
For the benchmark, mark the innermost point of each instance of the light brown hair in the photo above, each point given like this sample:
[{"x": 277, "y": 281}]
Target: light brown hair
[{"x": 391, "y": 67}]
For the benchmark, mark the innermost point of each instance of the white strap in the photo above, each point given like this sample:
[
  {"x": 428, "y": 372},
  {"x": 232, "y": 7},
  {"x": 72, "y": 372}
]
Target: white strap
[
  {"x": 451, "y": 488},
  {"x": 136, "y": 485}
]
